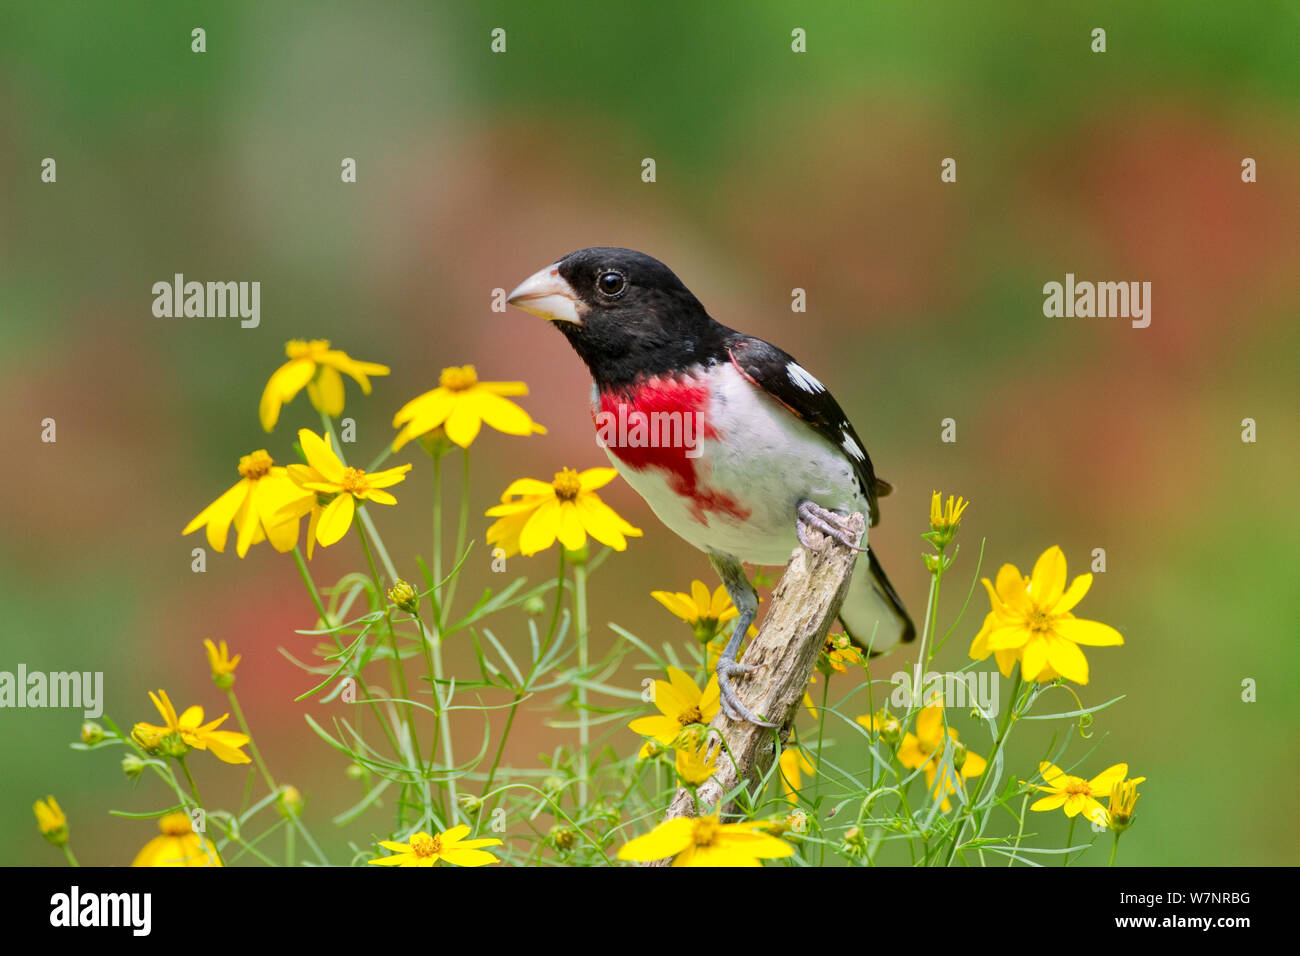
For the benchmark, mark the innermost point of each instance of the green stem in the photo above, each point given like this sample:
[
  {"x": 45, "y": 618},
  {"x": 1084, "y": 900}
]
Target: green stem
[
  {"x": 442, "y": 730},
  {"x": 1069, "y": 842},
  {"x": 1114, "y": 848},
  {"x": 327, "y": 623},
  {"x": 817, "y": 777},
  {"x": 968, "y": 810},
  {"x": 584, "y": 727},
  {"x": 501, "y": 746},
  {"x": 252, "y": 744},
  {"x": 925, "y": 637},
  {"x": 437, "y": 536},
  {"x": 198, "y": 802},
  {"x": 399, "y": 673},
  {"x": 559, "y": 602},
  {"x": 270, "y": 782},
  {"x": 462, "y": 530},
  {"x": 72, "y": 860}
]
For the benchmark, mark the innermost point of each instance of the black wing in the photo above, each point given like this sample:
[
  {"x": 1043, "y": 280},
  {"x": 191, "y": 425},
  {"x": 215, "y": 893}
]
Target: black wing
[{"x": 777, "y": 373}]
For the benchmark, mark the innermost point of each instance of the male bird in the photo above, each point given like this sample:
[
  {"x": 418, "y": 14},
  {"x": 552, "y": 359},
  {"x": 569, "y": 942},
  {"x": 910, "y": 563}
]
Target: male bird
[{"x": 760, "y": 451}]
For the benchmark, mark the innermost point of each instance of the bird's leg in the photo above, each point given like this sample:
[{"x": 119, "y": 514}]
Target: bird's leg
[
  {"x": 745, "y": 598},
  {"x": 809, "y": 514}
]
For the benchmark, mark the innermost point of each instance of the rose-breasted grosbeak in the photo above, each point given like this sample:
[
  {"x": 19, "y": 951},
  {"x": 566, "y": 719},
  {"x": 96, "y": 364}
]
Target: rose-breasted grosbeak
[{"x": 757, "y": 450}]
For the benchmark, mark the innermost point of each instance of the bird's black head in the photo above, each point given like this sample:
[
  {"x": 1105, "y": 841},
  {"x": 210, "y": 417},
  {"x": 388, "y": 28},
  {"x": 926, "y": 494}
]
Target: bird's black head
[{"x": 625, "y": 314}]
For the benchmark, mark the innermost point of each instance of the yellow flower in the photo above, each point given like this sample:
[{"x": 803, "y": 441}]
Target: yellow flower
[
  {"x": 179, "y": 845},
  {"x": 945, "y": 518},
  {"x": 1030, "y": 621},
  {"x": 681, "y": 703},
  {"x": 705, "y": 841},
  {"x": 317, "y": 366},
  {"x": 221, "y": 663},
  {"x": 697, "y": 764},
  {"x": 837, "y": 653},
  {"x": 460, "y": 405},
  {"x": 1122, "y": 804},
  {"x": 252, "y": 505},
  {"x": 425, "y": 850},
  {"x": 794, "y": 763},
  {"x": 884, "y": 724},
  {"x": 189, "y": 731},
  {"x": 705, "y": 613},
  {"x": 926, "y": 749},
  {"x": 567, "y": 508},
  {"x": 51, "y": 820},
  {"x": 1077, "y": 795},
  {"x": 326, "y": 477}
]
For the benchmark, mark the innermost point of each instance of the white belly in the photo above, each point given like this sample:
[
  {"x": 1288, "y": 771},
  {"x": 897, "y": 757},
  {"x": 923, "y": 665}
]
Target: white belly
[{"x": 750, "y": 479}]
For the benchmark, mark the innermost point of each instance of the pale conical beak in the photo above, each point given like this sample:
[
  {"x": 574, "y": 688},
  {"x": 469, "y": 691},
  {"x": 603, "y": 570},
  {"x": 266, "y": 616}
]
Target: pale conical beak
[{"x": 546, "y": 294}]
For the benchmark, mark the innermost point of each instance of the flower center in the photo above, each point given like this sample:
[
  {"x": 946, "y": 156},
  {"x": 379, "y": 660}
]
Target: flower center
[
  {"x": 257, "y": 465},
  {"x": 424, "y": 845},
  {"x": 1040, "y": 621},
  {"x": 690, "y": 715},
  {"x": 705, "y": 831},
  {"x": 1078, "y": 789},
  {"x": 355, "y": 481},
  {"x": 300, "y": 348},
  {"x": 458, "y": 378},
  {"x": 567, "y": 485}
]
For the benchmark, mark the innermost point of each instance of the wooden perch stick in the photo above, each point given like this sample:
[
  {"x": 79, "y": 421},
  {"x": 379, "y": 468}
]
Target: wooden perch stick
[{"x": 804, "y": 606}]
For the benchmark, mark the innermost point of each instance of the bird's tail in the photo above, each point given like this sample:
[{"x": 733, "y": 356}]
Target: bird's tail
[{"x": 873, "y": 614}]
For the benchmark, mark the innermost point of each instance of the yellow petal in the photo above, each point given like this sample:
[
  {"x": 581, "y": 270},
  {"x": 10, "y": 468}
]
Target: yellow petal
[
  {"x": 676, "y": 602},
  {"x": 462, "y": 425},
  {"x": 1074, "y": 594},
  {"x": 335, "y": 520},
  {"x": 667, "y": 839},
  {"x": 218, "y": 515},
  {"x": 570, "y": 532},
  {"x": 1108, "y": 778},
  {"x": 426, "y": 411},
  {"x": 1089, "y": 633},
  {"x": 603, "y": 522},
  {"x": 463, "y": 857},
  {"x": 1049, "y": 803},
  {"x": 320, "y": 456},
  {"x": 1048, "y": 580},
  {"x": 388, "y": 477},
  {"x": 1034, "y": 658},
  {"x": 326, "y": 391},
  {"x": 503, "y": 415},
  {"x": 594, "y": 478},
  {"x": 541, "y": 530},
  {"x": 1066, "y": 659}
]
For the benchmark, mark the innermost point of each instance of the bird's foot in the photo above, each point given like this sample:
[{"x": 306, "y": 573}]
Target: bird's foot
[
  {"x": 833, "y": 525},
  {"x": 731, "y": 704}
]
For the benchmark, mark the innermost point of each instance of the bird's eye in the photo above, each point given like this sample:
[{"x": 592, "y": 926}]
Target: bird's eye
[{"x": 612, "y": 284}]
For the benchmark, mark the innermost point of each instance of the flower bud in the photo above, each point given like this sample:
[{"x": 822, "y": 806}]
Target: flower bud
[
  {"x": 132, "y": 765},
  {"x": 959, "y": 753},
  {"x": 290, "y": 802},
  {"x": 470, "y": 804},
  {"x": 563, "y": 838},
  {"x": 534, "y": 605},
  {"x": 91, "y": 733},
  {"x": 403, "y": 596}
]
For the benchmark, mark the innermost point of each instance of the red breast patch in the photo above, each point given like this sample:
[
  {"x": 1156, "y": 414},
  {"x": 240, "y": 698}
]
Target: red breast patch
[{"x": 661, "y": 423}]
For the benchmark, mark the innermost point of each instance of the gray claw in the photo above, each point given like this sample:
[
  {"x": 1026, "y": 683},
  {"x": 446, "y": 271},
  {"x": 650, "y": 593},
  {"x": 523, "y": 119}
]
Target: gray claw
[
  {"x": 727, "y": 697},
  {"x": 811, "y": 514}
]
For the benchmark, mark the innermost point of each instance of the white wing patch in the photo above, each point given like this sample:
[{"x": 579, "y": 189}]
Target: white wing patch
[
  {"x": 852, "y": 447},
  {"x": 804, "y": 378}
]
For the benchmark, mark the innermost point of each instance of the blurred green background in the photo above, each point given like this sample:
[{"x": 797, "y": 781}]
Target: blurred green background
[{"x": 775, "y": 170}]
